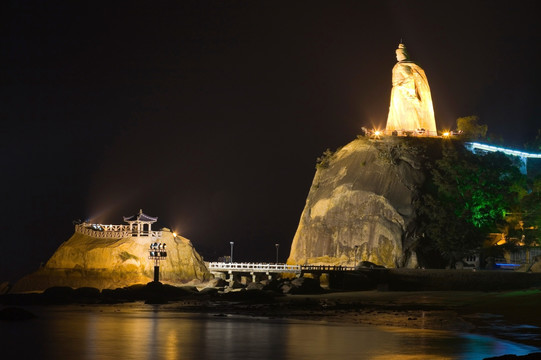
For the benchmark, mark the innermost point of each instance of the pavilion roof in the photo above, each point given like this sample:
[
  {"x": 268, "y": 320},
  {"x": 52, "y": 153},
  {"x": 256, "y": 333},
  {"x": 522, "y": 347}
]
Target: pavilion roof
[{"x": 140, "y": 217}]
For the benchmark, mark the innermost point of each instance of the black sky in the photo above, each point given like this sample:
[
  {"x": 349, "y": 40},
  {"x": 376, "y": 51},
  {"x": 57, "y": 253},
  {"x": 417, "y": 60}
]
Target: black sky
[{"x": 210, "y": 115}]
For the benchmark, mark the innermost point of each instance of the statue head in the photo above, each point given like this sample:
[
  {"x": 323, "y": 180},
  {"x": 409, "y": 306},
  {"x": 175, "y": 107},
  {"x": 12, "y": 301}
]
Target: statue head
[{"x": 401, "y": 53}]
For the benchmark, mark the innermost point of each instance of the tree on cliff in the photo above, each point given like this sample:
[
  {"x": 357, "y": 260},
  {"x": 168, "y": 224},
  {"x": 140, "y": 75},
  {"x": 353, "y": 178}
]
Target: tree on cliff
[
  {"x": 535, "y": 145},
  {"x": 531, "y": 210},
  {"x": 470, "y": 127},
  {"x": 470, "y": 196},
  {"x": 525, "y": 221}
]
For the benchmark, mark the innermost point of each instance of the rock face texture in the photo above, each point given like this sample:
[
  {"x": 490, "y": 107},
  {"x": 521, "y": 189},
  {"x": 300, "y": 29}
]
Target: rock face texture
[
  {"x": 361, "y": 206},
  {"x": 103, "y": 263}
]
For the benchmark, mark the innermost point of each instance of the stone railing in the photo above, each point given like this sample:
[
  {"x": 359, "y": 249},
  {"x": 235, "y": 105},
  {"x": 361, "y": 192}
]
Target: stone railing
[
  {"x": 115, "y": 227},
  {"x": 86, "y": 230},
  {"x": 113, "y": 231},
  {"x": 418, "y": 133}
]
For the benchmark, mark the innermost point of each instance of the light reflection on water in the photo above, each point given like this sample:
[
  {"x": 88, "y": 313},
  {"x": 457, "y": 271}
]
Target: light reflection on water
[{"x": 146, "y": 332}]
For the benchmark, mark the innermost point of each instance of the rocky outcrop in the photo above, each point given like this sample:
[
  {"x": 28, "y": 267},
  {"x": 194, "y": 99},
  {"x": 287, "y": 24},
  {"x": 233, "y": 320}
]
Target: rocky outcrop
[
  {"x": 361, "y": 206},
  {"x": 112, "y": 263}
]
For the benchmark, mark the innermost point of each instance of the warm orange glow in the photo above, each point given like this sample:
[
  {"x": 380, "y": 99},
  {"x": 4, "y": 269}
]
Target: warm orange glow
[
  {"x": 446, "y": 134},
  {"x": 377, "y": 133},
  {"x": 175, "y": 234}
]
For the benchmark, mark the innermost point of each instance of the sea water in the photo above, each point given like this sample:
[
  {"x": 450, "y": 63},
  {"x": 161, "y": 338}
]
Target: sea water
[{"x": 138, "y": 331}]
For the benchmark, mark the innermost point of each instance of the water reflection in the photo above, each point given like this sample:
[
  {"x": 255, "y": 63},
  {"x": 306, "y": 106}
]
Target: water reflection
[{"x": 146, "y": 332}]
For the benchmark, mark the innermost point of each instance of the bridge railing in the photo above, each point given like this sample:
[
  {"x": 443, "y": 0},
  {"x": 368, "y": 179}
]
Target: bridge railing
[
  {"x": 308, "y": 268},
  {"x": 254, "y": 267},
  {"x": 415, "y": 133},
  {"x": 492, "y": 148},
  {"x": 269, "y": 267}
]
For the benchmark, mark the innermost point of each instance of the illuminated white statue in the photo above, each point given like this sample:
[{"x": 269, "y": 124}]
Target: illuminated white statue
[{"x": 411, "y": 103}]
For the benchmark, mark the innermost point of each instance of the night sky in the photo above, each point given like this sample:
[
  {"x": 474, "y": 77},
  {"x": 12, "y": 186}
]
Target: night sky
[{"x": 211, "y": 115}]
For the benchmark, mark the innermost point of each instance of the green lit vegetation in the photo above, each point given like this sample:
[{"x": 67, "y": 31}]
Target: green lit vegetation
[
  {"x": 467, "y": 198},
  {"x": 524, "y": 221}
]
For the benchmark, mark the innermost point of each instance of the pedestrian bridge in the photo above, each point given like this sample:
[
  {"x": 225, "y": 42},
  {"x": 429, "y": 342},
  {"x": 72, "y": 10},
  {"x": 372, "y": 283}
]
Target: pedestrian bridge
[
  {"x": 220, "y": 269},
  {"x": 523, "y": 156},
  {"x": 274, "y": 268}
]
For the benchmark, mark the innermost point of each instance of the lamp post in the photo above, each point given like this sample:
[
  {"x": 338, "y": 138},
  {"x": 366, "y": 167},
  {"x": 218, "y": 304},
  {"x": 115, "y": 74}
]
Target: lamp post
[
  {"x": 231, "y": 243},
  {"x": 157, "y": 253},
  {"x": 277, "y": 246}
]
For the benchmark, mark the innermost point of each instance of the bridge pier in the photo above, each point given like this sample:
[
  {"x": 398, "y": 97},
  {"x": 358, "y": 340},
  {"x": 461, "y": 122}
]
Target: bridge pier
[
  {"x": 231, "y": 279},
  {"x": 250, "y": 271},
  {"x": 219, "y": 275}
]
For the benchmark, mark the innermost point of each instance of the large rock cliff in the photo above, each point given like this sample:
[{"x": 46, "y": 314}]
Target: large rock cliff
[
  {"x": 361, "y": 206},
  {"x": 103, "y": 263}
]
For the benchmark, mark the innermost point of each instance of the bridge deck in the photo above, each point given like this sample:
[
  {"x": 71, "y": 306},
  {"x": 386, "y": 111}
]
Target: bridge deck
[
  {"x": 326, "y": 268},
  {"x": 254, "y": 267},
  {"x": 492, "y": 148},
  {"x": 275, "y": 268}
]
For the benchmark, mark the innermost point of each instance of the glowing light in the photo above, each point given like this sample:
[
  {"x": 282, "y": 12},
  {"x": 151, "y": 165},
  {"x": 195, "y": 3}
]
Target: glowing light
[
  {"x": 174, "y": 234},
  {"x": 506, "y": 266},
  {"x": 377, "y": 133},
  {"x": 491, "y": 148},
  {"x": 446, "y": 134}
]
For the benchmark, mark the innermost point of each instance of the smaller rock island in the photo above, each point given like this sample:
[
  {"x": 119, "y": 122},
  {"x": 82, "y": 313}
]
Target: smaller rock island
[{"x": 112, "y": 256}]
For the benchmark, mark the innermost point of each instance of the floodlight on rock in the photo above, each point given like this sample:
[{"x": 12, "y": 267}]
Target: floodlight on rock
[{"x": 157, "y": 256}]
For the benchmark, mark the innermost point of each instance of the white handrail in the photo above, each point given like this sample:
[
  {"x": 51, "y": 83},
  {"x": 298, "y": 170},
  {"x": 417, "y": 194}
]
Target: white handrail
[
  {"x": 114, "y": 231},
  {"x": 253, "y": 267},
  {"x": 492, "y": 148}
]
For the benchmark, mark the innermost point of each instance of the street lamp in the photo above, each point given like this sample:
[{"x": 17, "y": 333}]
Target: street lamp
[
  {"x": 277, "y": 246},
  {"x": 232, "y": 243}
]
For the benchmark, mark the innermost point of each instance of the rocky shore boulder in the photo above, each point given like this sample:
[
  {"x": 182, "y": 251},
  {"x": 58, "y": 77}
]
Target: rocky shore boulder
[
  {"x": 361, "y": 206},
  {"x": 536, "y": 265},
  {"x": 302, "y": 285},
  {"x": 109, "y": 263}
]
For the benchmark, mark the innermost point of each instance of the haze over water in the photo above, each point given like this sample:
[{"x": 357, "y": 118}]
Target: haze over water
[{"x": 137, "y": 331}]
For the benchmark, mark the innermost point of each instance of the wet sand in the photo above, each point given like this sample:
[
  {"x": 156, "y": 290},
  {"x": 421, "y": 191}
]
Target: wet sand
[{"x": 512, "y": 315}]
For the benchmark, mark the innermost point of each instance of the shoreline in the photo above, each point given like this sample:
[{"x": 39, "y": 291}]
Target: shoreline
[
  {"x": 476, "y": 312},
  {"x": 508, "y": 315}
]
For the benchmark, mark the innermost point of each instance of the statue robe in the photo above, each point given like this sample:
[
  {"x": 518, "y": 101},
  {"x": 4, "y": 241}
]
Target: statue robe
[{"x": 411, "y": 103}]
